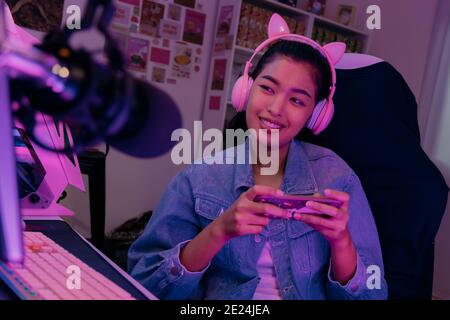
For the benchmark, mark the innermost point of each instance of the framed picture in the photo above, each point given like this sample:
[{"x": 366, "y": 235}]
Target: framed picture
[
  {"x": 346, "y": 14},
  {"x": 316, "y": 6},
  {"x": 151, "y": 15},
  {"x": 194, "y": 27}
]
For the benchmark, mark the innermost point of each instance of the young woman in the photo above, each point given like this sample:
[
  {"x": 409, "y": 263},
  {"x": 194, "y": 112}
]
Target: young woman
[{"x": 209, "y": 239}]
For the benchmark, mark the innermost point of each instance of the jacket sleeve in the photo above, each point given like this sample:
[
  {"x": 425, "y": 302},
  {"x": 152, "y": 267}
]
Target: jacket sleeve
[
  {"x": 368, "y": 281},
  {"x": 153, "y": 259}
]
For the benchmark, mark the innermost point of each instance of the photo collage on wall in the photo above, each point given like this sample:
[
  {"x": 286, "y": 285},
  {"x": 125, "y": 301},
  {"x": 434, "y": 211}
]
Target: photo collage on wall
[
  {"x": 224, "y": 38},
  {"x": 161, "y": 40},
  {"x": 223, "y": 42}
]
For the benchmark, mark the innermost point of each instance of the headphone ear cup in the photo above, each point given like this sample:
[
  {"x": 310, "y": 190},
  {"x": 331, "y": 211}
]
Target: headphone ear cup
[
  {"x": 313, "y": 119},
  {"x": 321, "y": 117},
  {"x": 241, "y": 92},
  {"x": 325, "y": 119}
]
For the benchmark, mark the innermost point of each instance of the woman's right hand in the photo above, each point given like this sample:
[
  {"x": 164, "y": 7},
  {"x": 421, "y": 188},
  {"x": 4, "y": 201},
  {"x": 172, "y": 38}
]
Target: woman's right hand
[{"x": 246, "y": 216}]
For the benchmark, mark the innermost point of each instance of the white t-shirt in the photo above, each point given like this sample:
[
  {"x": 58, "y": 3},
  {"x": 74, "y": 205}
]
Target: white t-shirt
[{"x": 267, "y": 288}]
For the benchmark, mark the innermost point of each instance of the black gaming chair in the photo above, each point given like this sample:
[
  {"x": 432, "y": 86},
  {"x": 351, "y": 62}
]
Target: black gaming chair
[{"x": 375, "y": 130}]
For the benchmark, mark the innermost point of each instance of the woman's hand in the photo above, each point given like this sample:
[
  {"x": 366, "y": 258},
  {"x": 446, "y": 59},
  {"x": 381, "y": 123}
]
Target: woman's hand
[
  {"x": 246, "y": 216},
  {"x": 331, "y": 222},
  {"x": 333, "y": 225}
]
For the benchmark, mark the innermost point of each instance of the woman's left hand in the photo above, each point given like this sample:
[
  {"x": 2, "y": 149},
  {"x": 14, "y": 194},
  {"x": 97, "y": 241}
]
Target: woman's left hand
[{"x": 331, "y": 222}]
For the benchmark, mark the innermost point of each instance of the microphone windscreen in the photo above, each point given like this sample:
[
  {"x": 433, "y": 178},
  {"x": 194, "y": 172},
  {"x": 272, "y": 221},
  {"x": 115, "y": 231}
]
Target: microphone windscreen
[{"x": 153, "y": 117}]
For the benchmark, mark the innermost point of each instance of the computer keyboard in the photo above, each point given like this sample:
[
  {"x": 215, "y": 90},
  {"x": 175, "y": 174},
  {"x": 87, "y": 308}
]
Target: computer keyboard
[{"x": 48, "y": 271}]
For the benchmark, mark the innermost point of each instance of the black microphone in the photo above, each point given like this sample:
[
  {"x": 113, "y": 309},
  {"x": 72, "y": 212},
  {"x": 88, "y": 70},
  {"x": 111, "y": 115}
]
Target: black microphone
[
  {"x": 98, "y": 101},
  {"x": 152, "y": 119}
]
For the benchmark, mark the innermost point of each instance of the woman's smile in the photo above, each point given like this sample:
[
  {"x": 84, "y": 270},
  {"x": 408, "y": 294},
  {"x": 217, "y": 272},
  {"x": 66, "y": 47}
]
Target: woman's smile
[{"x": 269, "y": 124}]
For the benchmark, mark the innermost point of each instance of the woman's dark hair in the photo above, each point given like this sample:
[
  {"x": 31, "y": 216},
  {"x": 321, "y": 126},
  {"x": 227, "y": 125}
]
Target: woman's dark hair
[{"x": 298, "y": 52}]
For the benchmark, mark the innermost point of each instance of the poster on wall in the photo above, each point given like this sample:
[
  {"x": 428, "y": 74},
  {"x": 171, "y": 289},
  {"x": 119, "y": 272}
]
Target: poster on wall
[
  {"x": 194, "y": 27},
  {"x": 170, "y": 30},
  {"x": 214, "y": 103},
  {"x": 122, "y": 15},
  {"x": 219, "y": 45},
  {"x": 159, "y": 75},
  {"x": 137, "y": 54},
  {"x": 218, "y": 82},
  {"x": 224, "y": 24},
  {"x": 186, "y": 3},
  {"x": 174, "y": 12},
  {"x": 151, "y": 15},
  {"x": 182, "y": 61},
  {"x": 159, "y": 55}
]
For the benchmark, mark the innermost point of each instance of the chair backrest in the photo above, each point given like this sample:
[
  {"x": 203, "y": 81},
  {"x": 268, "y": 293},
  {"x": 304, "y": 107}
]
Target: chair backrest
[
  {"x": 356, "y": 60},
  {"x": 375, "y": 130}
]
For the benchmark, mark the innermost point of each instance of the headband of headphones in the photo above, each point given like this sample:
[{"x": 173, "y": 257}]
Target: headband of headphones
[
  {"x": 332, "y": 52},
  {"x": 279, "y": 30}
]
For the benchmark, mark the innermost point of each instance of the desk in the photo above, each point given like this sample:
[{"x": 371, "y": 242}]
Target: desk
[{"x": 60, "y": 232}]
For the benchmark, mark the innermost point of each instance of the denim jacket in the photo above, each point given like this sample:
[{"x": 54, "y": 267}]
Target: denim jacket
[{"x": 301, "y": 256}]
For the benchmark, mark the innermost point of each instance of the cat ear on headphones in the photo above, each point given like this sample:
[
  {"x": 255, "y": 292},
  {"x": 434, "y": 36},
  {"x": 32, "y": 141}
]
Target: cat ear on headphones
[
  {"x": 277, "y": 26},
  {"x": 336, "y": 50}
]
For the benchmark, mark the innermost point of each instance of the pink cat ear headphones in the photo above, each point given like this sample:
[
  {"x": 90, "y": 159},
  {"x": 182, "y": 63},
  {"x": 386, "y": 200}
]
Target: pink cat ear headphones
[{"x": 279, "y": 30}]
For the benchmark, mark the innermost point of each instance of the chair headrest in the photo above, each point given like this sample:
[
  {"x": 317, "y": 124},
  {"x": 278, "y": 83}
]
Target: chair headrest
[{"x": 356, "y": 60}]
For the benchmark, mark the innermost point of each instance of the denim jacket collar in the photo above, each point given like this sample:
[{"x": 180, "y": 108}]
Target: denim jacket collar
[{"x": 298, "y": 176}]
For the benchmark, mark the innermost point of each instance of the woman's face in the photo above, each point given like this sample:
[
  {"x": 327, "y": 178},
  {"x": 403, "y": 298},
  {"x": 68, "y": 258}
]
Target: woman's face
[{"x": 282, "y": 97}]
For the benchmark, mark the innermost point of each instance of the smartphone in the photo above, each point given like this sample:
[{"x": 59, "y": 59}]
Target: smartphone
[{"x": 297, "y": 204}]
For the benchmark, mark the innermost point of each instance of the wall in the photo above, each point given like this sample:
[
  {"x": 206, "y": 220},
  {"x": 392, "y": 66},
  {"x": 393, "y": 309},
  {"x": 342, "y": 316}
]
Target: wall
[{"x": 405, "y": 37}]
